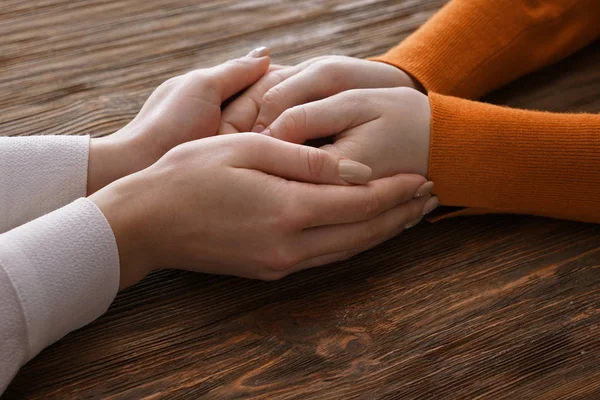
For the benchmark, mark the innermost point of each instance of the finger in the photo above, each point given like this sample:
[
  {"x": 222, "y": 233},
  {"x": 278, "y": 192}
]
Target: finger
[
  {"x": 240, "y": 115},
  {"x": 218, "y": 83},
  {"x": 329, "y": 205},
  {"x": 324, "y": 117},
  {"x": 337, "y": 242},
  {"x": 347, "y": 254},
  {"x": 298, "y": 163},
  {"x": 324, "y": 260},
  {"x": 313, "y": 83}
]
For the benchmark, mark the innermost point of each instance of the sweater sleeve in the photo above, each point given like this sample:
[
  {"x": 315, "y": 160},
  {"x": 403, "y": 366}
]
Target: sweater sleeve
[
  {"x": 57, "y": 273},
  {"x": 471, "y": 47},
  {"x": 39, "y": 174},
  {"x": 499, "y": 159}
]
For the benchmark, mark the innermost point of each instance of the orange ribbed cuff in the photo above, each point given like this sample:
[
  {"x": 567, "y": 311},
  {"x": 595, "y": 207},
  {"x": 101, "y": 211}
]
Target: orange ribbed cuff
[{"x": 515, "y": 161}]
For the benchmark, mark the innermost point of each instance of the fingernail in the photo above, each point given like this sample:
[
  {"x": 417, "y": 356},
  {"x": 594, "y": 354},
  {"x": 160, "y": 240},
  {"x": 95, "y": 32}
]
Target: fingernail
[
  {"x": 431, "y": 205},
  {"x": 258, "y": 128},
  {"x": 267, "y": 132},
  {"x": 259, "y": 52},
  {"x": 354, "y": 172},
  {"x": 411, "y": 224},
  {"x": 424, "y": 190}
]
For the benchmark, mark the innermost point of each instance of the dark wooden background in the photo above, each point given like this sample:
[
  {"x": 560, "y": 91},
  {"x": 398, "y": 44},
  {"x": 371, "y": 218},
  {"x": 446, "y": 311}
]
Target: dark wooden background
[{"x": 501, "y": 307}]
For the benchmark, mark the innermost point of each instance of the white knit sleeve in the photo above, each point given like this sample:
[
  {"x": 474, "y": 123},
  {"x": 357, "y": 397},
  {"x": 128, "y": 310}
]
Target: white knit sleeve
[
  {"x": 39, "y": 174},
  {"x": 57, "y": 273}
]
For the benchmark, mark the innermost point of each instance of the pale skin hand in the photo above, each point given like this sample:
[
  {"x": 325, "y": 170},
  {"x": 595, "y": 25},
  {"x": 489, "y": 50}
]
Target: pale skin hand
[
  {"x": 386, "y": 129},
  {"x": 184, "y": 108},
  {"x": 285, "y": 87},
  {"x": 251, "y": 206}
]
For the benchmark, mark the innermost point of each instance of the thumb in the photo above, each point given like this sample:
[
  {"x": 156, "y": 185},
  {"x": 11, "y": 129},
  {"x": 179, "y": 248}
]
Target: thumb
[
  {"x": 322, "y": 118},
  {"x": 236, "y": 75},
  {"x": 299, "y": 163}
]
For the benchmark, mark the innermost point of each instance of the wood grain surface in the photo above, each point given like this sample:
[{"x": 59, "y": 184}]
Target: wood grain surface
[{"x": 495, "y": 307}]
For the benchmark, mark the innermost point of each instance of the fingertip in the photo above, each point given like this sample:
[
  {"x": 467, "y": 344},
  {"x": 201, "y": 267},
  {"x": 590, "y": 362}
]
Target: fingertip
[
  {"x": 258, "y": 128},
  {"x": 354, "y": 172},
  {"x": 431, "y": 204},
  {"x": 226, "y": 129},
  {"x": 259, "y": 52},
  {"x": 258, "y": 63},
  {"x": 424, "y": 190}
]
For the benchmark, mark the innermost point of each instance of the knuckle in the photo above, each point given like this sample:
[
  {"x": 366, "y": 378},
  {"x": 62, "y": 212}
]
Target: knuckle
[
  {"x": 207, "y": 83},
  {"x": 372, "y": 234},
  {"x": 277, "y": 76},
  {"x": 250, "y": 142},
  {"x": 333, "y": 71},
  {"x": 178, "y": 154},
  {"x": 272, "y": 96},
  {"x": 210, "y": 86},
  {"x": 280, "y": 258},
  {"x": 287, "y": 219},
  {"x": 252, "y": 139},
  {"x": 315, "y": 160},
  {"x": 328, "y": 66},
  {"x": 297, "y": 118},
  {"x": 292, "y": 120},
  {"x": 241, "y": 146},
  {"x": 371, "y": 205}
]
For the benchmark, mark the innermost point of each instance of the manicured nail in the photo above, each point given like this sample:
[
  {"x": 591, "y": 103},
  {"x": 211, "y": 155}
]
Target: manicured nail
[
  {"x": 259, "y": 52},
  {"x": 424, "y": 190},
  {"x": 431, "y": 205},
  {"x": 258, "y": 128},
  {"x": 411, "y": 224},
  {"x": 353, "y": 172},
  {"x": 267, "y": 132}
]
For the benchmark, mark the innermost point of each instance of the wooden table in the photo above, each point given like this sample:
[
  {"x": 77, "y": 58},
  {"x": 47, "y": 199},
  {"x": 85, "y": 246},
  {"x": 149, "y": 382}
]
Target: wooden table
[{"x": 496, "y": 307}]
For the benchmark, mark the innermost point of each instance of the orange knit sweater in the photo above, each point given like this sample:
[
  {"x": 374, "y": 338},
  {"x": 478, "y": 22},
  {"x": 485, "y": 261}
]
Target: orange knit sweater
[{"x": 497, "y": 159}]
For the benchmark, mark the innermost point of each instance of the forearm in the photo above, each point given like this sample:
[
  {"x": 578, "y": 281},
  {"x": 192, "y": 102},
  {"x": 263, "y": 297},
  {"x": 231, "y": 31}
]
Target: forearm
[
  {"x": 113, "y": 158},
  {"x": 57, "y": 274},
  {"x": 474, "y": 46},
  {"x": 39, "y": 174},
  {"x": 516, "y": 161}
]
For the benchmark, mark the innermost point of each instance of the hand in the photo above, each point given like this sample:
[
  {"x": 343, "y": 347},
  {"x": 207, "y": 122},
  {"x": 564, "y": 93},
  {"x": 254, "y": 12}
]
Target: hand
[
  {"x": 386, "y": 129},
  {"x": 284, "y": 87},
  {"x": 252, "y": 206},
  {"x": 183, "y": 108}
]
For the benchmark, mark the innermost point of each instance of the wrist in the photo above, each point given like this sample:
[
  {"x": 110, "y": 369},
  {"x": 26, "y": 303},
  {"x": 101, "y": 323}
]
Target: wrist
[
  {"x": 414, "y": 83},
  {"x": 116, "y": 156},
  {"x": 423, "y": 133},
  {"x": 407, "y": 80},
  {"x": 417, "y": 130},
  {"x": 403, "y": 78},
  {"x": 120, "y": 204},
  {"x": 106, "y": 163}
]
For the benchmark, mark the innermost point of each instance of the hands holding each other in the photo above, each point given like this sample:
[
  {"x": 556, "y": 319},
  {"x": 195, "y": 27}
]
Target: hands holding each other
[
  {"x": 183, "y": 108},
  {"x": 370, "y": 109},
  {"x": 247, "y": 205}
]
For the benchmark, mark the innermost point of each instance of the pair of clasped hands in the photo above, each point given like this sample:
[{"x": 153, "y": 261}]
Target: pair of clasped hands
[{"x": 191, "y": 185}]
